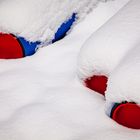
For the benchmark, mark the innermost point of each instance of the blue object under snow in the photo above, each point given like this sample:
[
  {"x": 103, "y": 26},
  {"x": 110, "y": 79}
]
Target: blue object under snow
[
  {"x": 29, "y": 48},
  {"x": 64, "y": 28}
]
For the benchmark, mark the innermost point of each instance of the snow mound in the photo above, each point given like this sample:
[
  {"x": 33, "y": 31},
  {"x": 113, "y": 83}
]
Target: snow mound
[
  {"x": 113, "y": 51},
  {"x": 38, "y": 20},
  {"x": 104, "y": 50}
]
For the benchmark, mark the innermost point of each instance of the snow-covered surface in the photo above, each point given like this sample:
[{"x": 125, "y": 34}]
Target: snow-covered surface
[
  {"x": 38, "y": 20},
  {"x": 113, "y": 50},
  {"x": 124, "y": 81},
  {"x": 103, "y": 51},
  {"x": 41, "y": 98}
]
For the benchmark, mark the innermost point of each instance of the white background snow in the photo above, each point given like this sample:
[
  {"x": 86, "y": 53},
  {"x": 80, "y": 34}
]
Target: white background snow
[{"x": 41, "y": 97}]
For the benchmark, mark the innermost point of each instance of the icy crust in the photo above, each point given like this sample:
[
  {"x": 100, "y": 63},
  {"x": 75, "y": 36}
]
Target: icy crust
[
  {"x": 104, "y": 50},
  {"x": 38, "y": 20}
]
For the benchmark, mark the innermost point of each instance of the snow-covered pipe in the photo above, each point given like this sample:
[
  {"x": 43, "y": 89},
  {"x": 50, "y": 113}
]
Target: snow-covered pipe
[
  {"x": 104, "y": 50},
  {"x": 112, "y": 54},
  {"x": 35, "y": 22}
]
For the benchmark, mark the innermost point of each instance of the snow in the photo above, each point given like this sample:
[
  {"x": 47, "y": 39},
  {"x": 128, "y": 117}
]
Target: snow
[
  {"x": 38, "y": 20},
  {"x": 113, "y": 50},
  {"x": 103, "y": 51},
  {"x": 127, "y": 88},
  {"x": 41, "y": 97}
]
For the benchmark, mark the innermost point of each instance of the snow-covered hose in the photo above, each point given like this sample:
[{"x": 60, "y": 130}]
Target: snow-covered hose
[
  {"x": 30, "y": 23},
  {"x": 12, "y": 46},
  {"x": 109, "y": 64}
]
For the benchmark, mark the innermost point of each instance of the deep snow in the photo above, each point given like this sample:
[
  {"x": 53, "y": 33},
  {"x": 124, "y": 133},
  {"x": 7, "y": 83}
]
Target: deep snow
[{"x": 41, "y": 97}]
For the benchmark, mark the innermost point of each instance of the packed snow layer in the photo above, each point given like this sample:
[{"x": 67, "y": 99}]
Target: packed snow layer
[
  {"x": 104, "y": 50},
  {"x": 38, "y": 20},
  {"x": 41, "y": 98}
]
